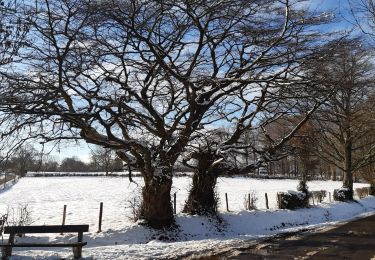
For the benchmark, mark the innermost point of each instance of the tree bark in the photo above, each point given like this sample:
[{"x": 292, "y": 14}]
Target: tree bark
[
  {"x": 348, "y": 174},
  {"x": 372, "y": 190},
  {"x": 202, "y": 197},
  {"x": 156, "y": 208},
  {"x": 333, "y": 173}
]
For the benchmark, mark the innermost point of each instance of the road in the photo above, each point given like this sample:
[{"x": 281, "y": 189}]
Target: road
[{"x": 352, "y": 240}]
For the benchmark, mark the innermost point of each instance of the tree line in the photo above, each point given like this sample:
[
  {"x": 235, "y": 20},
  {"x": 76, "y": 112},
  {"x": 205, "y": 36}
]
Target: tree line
[
  {"x": 28, "y": 159},
  {"x": 158, "y": 81}
]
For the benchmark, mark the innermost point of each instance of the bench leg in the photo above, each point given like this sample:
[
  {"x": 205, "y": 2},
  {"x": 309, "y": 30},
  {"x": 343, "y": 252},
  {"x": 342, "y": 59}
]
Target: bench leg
[
  {"x": 77, "y": 252},
  {"x": 6, "y": 252}
]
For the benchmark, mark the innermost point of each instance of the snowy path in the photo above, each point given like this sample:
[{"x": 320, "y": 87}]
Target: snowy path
[{"x": 325, "y": 243}]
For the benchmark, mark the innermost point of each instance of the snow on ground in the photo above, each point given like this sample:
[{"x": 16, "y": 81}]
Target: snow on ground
[{"x": 122, "y": 239}]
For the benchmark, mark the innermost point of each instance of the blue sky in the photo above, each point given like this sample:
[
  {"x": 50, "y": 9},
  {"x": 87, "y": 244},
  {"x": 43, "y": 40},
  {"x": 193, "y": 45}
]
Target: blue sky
[{"x": 80, "y": 150}]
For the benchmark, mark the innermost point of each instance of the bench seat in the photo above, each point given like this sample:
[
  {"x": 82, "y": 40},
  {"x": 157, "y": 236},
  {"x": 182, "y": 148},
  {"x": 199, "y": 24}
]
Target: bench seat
[
  {"x": 45, "y": 245},
  {"x": 6, "y": 249}
]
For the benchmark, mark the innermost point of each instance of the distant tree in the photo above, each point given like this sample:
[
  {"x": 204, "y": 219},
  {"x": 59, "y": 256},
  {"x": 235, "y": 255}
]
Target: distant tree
[
  {"x": 73, "y": 164},
  {"x": 305, "y": 149},
  {"x": 104, "y": 159},
  {"x": 367, "y": 171},
  {"x": 49, "y": 164},
  {"x": 24, "y": 158}
]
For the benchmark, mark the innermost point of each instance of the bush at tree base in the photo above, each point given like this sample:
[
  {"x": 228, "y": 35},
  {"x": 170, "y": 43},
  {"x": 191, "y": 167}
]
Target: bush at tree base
[
  {"x": 292, "y": 200},
  {"x": 343, "y": 194},
  {"x": 372, "y": 190}
]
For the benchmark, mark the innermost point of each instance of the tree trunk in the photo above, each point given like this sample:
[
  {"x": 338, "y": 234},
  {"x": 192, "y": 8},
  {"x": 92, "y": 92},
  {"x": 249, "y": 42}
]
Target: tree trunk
[
  {"x": 348, "y": 174},
  {"x": 202, "y": 198},
  {"x": 372, "y": 190},
  {"x": 333, "y": 170},
  {"x": 156, "y": 206}
]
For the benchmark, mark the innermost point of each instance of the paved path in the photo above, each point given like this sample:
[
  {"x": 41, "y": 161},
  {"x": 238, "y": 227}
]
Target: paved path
[{"x": 353, "y": 240}]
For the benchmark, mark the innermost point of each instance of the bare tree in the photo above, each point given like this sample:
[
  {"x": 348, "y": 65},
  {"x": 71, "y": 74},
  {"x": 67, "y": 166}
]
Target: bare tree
[
  {"x": 49, "y": 163},
  {"x": 302, "y": 145},
  {"x": 344, "y": 120},
  {"x": 141, "y": 77},
  {"x": 24, "y": 158},
  {"x": 73, "y": 164},
  {"x": 104, "y": 159}
]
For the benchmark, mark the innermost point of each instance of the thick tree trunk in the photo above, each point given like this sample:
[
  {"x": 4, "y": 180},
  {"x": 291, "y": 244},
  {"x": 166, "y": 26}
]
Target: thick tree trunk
[
  {"x": 156, "y": 206},
  {"x": 372, "y": 190},
  {"x": 348, "y": 174},
  {"x": 202, "y": 198}
]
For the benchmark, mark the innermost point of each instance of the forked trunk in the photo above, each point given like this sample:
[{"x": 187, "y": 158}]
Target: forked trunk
[{"x": 157, "y": 208}]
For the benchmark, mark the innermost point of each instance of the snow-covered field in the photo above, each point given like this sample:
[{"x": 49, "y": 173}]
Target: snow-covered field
[{"x": 122, "y": 239}]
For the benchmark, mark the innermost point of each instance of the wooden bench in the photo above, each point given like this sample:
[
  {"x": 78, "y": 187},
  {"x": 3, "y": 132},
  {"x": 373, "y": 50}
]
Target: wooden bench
[{"x": 14, "y": 230}]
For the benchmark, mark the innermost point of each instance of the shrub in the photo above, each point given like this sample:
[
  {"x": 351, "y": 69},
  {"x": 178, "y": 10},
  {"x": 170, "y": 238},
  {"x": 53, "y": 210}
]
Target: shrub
[
  {"x": 135, "y": 205},
  {"x": 343, "y": 194},
  {"x": 362, "y": 192},
  {"x": 292, "y": 200},
  {"x": 19, "y": 216},
  {"x": 318, "y": 195},
  {"x": 372, "y": 190},
  {"x": 250, "y": 201}
]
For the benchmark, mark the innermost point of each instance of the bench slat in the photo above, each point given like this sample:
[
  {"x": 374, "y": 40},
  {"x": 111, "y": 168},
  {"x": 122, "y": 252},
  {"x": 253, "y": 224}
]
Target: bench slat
[
  {"x": 46, "y": 229},
  {"x": 45, "y": 245}
]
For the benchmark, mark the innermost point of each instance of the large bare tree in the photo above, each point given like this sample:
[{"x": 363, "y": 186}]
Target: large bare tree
[
  {"x": 344, "y": 121},
  {"x": 141, "y": 77}
]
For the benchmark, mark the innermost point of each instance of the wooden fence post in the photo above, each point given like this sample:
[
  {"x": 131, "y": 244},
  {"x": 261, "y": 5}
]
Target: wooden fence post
[
  {"x": 174, "y": 203},
  {"x": 249, "y": 203},
  {"x": 278, "y": 195},
  {"x": 266, "y": 200},
  {"x": 330, "y": 199},
  {"x": 100, "y": 217},
  {"x": 226, "y": 201},
  {"x": 64, "y": 217}
]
